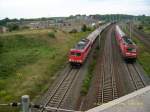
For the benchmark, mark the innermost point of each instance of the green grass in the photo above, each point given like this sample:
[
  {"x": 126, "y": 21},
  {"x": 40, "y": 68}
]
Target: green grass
[
  {"x": 88, "y": 78},
  {"x": 143, "y": 54},
  {"x": 51, "y": 34},
  {"x": 29, "y": 61},
  {"x": 147, "y": 29}
]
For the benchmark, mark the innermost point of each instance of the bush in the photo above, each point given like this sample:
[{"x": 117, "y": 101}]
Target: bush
[
  {"x": 89, "y": 29},
  {"x": 13, "y": 27},
  {"x": 84, "y": 28},
  {"x": 73, "y": 31},
  {"x": 25, "y": 27},
  {"x": 51, "y": 35},
  {"x": 140, "y": 27}
]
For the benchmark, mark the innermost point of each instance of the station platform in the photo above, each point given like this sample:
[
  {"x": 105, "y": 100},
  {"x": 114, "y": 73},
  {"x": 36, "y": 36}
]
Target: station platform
[{"x": 137, "y": 101}]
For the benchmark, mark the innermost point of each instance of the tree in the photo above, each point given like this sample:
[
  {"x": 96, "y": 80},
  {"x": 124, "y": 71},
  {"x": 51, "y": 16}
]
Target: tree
[
  {"x": 84, "y": 28},
  {"x": 13, "y": 27}
]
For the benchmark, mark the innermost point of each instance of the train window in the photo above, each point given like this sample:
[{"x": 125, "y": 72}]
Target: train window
[
  {"x": 72, "y": 53},
  {"x": 127, "y": 40},
  {"x": 75, "y": 54},
  {"x": 78, "y": 54}
]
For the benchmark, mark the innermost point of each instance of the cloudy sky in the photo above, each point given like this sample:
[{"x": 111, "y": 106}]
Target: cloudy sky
[{"x": 53, "y": 8}]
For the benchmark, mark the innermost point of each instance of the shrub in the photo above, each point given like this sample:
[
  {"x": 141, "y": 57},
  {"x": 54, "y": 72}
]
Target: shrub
[
  {"x": 89, "y": 29},
  {"x": 51, "y": 35},
  {"x": 13, "y": 27},
  {"x": 84, "y": 28},
  {"x": 140, "y": 27},
  {"x": 73, "y": 31},
  {"x": 25, "y": 27}
]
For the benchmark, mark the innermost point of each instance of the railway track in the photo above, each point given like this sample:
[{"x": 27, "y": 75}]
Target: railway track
[
  {"x": 108, "y": 89},
  {"x": 58, "y": 94},
  {"x": 108, "y": 86},
  {"x": 112, "y": 78},
  {"x": 136, "y": 77}
]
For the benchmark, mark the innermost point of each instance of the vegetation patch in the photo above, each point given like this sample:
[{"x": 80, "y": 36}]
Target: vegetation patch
[
  {"x": 73, "y": 31},
  {"x": 89, "y": 75},
  {"x": 29, "y": 61},
  {"x": 143, "y": 56},
  {"x": 51, "y": 34}
]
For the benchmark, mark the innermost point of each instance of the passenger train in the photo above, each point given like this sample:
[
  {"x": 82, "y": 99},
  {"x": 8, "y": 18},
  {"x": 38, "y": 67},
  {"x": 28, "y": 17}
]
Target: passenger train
[
  {"x": 127, "y": 46},
  {"x": 80, "y": 52}
]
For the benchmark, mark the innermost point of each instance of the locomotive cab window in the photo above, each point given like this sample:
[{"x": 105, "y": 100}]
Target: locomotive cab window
[
  {"x": 78, "y": 54},
  {"x": 75, "y": 54},
  {"x": 127, "y": 40},
  {"x": 72, "y": 53}
]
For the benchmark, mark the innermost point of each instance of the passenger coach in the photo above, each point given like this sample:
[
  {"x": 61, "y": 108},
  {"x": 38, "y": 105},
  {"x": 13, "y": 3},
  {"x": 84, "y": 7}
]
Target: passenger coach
[{"x": 127, "y": 46}]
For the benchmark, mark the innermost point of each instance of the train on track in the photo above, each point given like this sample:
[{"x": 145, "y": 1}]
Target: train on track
[
  {"x": 127, "y": 47},
  {"x": 81, "y": 50}
]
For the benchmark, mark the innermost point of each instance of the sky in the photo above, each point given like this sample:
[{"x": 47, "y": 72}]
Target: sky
[{"x": 57, "y": 8}]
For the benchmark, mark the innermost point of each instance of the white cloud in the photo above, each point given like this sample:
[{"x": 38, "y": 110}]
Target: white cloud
[{"x": 45, "y": 8}]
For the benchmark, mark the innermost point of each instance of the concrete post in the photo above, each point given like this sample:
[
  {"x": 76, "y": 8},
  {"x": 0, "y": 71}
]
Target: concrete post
[{"x": 25, "y": 100}]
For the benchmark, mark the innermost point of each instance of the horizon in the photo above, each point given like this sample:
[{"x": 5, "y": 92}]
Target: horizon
[
  {"x": 73, "y": 15},
  {"x": 63, "y": 8}
]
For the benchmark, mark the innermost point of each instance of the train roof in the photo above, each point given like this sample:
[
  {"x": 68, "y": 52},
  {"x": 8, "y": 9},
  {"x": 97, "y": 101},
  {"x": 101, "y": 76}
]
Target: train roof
[
  {"x": 120, "y": 31},
  {"x": 81, "y": 44}
]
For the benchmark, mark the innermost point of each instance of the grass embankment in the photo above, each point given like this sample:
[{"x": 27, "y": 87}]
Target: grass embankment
[
  {"x": 30, "y": 59},
  {"x": 147, "y": 29},
  {"x": 88, "y": 77},
  {"x": 144, "y": 27},
  {"x": 143, "y": 53}
]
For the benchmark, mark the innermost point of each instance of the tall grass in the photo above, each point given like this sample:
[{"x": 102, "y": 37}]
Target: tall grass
[
  {"x": 29, "y": 62},
  {"x": 88, "y": 78}
]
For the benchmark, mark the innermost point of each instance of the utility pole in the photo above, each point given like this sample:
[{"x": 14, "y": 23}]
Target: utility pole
[{"x": 130, "y": 29}]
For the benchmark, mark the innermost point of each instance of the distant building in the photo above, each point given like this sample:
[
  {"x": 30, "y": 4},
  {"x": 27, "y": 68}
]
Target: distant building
[
  {"x": 3, "y": 29},
  {"x": 41, "y": 24}
]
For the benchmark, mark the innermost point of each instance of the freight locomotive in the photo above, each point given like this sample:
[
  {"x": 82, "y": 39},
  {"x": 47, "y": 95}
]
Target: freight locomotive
[
  {"x": 80, "y": 52},
  {"x": 127, "y": 47}
]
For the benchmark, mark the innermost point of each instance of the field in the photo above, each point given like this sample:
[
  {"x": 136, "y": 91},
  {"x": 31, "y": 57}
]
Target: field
[
  {"x": 147, "y": 29},
  {"x": 30, "y": 59}
]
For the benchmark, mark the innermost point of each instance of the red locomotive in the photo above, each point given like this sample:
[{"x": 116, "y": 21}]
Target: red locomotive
[
  {"x": 79, "y": 53},
  {"x": 127, "y": 46}
]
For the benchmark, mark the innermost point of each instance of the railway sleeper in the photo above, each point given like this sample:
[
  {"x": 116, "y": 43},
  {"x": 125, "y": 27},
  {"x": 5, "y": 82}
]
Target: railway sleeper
[
  {"x": 108, "y": 87},
  {"x": 107, "y": 90}
]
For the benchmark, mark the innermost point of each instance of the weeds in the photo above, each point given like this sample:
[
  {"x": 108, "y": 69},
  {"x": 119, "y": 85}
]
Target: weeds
[
  {"x": 29, "y": 62},
  {"x": 89, "y": 75},
  {"x": 51, "y": 35}
]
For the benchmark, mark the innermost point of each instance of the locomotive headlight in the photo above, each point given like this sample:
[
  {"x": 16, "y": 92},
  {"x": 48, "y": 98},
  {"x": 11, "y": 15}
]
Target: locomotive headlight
[
  {"x": 133, "y": 50},
  {"x": 80, "y": 61}
]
